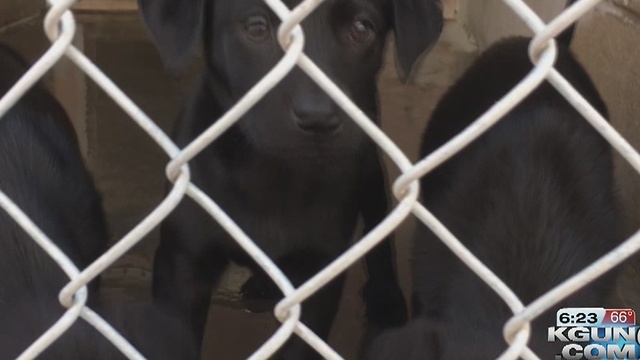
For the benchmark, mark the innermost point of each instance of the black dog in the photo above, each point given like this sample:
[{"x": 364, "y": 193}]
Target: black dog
[
  {"x": 154, "y": 333},
  {"x": 42, "y": 171},
  {"x": 295, "y": 173},
  {"x": 532, "y": 198}
]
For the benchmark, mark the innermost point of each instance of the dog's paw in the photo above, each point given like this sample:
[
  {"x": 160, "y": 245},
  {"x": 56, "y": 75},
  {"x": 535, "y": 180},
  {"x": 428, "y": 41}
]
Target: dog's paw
[
  {"x": 385, "y": 306},
  {"x": 260, "y": 288}
]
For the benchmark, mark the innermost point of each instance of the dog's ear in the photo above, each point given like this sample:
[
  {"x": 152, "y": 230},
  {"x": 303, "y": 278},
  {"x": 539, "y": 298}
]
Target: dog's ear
[
  {"x": 418, "y": 340},
  {"x": 417, "y": 25},
  {"x": 174, "y": 26}
]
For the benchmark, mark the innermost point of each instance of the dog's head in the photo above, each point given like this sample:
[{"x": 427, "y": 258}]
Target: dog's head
[{"x": 345, "y": 38}]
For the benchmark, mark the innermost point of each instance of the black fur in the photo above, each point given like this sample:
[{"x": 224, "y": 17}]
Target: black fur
[
  {"x": 418, "y": 340},
  {"x": 295, "y": 173},
  {"x": 42, "y": 171},
  {"x": 154, "y": 333},
  {"x": 532, "y": 198}
]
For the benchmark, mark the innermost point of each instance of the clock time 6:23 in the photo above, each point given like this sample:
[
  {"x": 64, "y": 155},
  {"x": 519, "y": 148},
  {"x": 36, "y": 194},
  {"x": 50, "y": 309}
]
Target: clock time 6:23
[{"x": 595, "y": 317}]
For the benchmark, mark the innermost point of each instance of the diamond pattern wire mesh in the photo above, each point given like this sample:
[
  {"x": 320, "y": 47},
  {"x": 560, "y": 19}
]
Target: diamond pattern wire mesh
[{"x": 60, "y": 27}]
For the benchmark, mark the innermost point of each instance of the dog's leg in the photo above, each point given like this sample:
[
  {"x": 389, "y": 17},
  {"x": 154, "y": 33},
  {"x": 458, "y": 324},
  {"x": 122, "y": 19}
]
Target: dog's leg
[
  {"x": 186, "y": 268},
  {"x": 319, "y": 311},
  {"x": 384, "y": 301}
]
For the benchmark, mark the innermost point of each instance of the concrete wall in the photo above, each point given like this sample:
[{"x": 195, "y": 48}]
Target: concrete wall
[
  {"x": 607, "y": 44},
  {"x": 490, "y": 20},
  {"x": 15, "y": 10}
]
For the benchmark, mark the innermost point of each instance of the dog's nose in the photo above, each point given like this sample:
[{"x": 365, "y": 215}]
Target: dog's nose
[{"x": 316, "y": 114}]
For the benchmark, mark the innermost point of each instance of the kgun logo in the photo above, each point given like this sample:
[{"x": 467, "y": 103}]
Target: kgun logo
[
  {"x": 596, "y": 333},
  {"x": 596, "y": 342}
]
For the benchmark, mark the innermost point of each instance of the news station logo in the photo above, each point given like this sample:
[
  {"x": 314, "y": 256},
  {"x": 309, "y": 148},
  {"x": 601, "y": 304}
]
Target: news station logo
[{"x": 596, "y": 333}]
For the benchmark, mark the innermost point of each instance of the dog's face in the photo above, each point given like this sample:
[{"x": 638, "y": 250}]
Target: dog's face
[{"x": 345, "y": 39}]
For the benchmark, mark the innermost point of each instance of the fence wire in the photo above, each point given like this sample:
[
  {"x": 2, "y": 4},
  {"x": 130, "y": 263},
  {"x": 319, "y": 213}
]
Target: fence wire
[{"x": 60, "y": 27}]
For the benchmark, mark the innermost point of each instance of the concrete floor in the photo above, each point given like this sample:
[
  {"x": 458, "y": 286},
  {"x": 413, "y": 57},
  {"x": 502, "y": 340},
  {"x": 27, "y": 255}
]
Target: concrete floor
[{"x": 129, "y": 168}]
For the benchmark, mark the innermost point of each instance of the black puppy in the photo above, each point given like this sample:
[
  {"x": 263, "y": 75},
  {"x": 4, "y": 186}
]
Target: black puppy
[
  {"x": 42, "y": 171},
  {"x": 295, "y": 172},
  {"x": 154, "y": 333},
  {"x": 532, "y": 198}
]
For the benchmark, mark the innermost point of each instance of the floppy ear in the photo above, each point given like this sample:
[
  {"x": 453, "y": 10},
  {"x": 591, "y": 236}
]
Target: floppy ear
[
  {"x": 417, "y": 25},
  {"x": 174, "y": 26}
]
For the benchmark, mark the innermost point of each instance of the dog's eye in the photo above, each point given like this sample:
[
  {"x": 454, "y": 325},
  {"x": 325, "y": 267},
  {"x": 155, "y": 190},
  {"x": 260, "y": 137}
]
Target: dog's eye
[
  {"x": 256, "y": 28},
  {"x": 362, "y": 31}
]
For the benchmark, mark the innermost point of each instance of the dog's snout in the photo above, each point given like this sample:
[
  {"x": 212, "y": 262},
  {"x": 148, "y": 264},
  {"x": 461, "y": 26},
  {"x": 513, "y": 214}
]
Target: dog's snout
[{"x": 316, "y": 114}]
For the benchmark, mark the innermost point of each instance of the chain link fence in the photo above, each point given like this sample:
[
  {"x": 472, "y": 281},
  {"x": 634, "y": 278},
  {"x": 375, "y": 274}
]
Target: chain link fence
[{"x": 60, "y": 27}]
